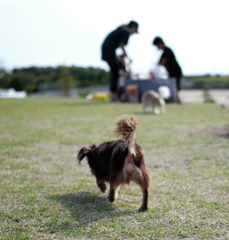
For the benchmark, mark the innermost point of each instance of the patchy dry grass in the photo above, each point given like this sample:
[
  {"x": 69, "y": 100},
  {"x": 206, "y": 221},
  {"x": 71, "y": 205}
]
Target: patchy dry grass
[{"x": 45, "y": 194}]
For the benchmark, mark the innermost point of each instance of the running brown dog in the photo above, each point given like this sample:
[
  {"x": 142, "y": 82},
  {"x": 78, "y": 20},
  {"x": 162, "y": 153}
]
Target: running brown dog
[{"x": 119, "y": 162}]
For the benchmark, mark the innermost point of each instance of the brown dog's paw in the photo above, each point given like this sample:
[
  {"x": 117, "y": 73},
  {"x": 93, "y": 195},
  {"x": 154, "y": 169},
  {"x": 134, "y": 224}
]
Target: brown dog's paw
[{"x": 143, "y": 208}]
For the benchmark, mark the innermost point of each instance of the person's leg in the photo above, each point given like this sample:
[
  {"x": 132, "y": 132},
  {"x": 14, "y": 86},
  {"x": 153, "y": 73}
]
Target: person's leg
[
  {"x": 114, "y": 70},
  {"x": 178, "y": 85},
  {"x": 178, "y": 79}
]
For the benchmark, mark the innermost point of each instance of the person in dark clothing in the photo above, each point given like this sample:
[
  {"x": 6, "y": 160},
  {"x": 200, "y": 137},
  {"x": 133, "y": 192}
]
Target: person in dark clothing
[
  {"x": 168, "y": 60},
  {"x": 117, "y": 38}
]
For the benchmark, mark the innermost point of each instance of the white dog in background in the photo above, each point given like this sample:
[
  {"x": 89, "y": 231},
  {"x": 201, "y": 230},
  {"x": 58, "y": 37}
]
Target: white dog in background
[{"x": 154, "y": 100}]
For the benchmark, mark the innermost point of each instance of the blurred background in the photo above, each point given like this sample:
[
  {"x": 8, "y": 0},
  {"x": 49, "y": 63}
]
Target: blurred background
[{"x": 52, "y": 45}]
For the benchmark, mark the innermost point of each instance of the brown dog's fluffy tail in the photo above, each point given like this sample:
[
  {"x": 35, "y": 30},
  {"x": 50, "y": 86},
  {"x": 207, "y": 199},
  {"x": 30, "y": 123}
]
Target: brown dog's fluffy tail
[{"x": 127, "y": 126}]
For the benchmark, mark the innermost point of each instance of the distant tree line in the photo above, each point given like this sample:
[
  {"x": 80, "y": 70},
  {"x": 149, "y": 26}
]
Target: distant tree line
[{"x": 33, "y": 79}]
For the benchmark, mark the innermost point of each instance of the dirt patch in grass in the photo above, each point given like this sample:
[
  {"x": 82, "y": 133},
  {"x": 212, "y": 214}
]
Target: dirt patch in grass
[{"x": 222, "y": 131}]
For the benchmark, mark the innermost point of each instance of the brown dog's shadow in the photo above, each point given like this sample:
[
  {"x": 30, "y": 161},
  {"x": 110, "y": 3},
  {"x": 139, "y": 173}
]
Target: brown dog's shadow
[{"x": 85, "y": 208}]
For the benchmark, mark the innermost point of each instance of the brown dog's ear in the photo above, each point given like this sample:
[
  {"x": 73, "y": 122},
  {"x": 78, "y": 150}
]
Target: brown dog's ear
[{"x": 84, "y": 152}]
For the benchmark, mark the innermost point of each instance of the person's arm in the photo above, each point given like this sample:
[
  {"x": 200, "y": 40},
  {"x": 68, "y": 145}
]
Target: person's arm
[
  {"x": 163, "y": 61},
  {"x": 166, "y": 55},
  {"x": 123, "y": 49}
]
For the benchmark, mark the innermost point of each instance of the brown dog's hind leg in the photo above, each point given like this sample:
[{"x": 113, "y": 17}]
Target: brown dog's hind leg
[
  {"x": 113, "y": 191},
  {"x": 144, "y": 206},
  {"x": 145, "y": 186}
]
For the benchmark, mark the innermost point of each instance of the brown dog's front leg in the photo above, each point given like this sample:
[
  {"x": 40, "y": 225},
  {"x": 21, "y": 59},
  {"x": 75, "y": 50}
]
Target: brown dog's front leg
[{"x": 101, "y": 184}]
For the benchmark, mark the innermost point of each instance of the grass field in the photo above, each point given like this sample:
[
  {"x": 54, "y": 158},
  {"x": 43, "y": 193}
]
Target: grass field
[{"x": 45, "y": 194}]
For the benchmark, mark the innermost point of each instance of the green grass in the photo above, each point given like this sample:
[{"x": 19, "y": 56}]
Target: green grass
[{"x": 45, "y": 194}]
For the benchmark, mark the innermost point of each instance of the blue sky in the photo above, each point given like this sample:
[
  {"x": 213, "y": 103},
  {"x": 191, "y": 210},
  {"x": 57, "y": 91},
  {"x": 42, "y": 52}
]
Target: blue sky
[{"x": 70, "y": 32}]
